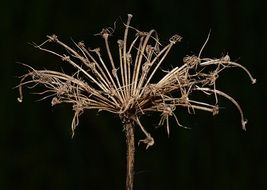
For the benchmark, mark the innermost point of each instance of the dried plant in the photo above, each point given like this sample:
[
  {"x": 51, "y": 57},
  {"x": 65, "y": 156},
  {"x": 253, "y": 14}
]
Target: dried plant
[{"x": 124, "y": 86}]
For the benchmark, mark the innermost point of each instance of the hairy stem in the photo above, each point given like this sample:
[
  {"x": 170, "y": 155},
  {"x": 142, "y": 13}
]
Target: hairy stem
[{"x": 130, "y": 155}]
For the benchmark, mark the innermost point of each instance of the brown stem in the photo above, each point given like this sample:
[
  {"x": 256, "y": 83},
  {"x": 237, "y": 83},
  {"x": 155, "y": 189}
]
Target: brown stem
[{"x": 130, "y": 155}]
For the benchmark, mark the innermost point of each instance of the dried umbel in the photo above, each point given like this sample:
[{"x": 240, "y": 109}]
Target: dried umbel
[{"x": 123, "y": 86}]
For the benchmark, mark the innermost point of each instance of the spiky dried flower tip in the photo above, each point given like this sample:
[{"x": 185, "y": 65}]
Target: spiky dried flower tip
[{"x": 124, "y": 86}]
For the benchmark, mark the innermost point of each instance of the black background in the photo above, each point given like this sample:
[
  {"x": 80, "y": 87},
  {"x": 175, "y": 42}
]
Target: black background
[{"x": 36, "y": 149}]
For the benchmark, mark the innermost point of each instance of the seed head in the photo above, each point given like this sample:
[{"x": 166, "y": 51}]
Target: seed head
[{"x": 124, "y": 86}]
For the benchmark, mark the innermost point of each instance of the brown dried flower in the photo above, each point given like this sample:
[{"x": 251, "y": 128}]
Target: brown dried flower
[{"x": 124, "y": 87}]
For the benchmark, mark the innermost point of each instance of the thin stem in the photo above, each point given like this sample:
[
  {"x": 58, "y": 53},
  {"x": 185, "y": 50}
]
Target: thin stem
[
  {"x": 166, "y": 51},
  {"x": 126, "y": 69},
  {"x": 114, "y": 70},
  {"x": 120, "y": 43},
  {"x": 243, "y": 120},
  {"x": 141, "y": 55},
  {"x": 136, "y": 69},
  {"x": 130, "y": 155},
  {"x": 102, "y": 74}
]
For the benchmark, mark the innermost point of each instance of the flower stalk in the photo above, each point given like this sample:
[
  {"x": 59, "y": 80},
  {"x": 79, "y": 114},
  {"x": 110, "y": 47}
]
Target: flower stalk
[{"x": 129, "y": 132}]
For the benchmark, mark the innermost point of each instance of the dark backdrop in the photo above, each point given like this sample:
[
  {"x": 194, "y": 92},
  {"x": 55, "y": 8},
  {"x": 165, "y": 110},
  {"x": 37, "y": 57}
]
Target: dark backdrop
[{"x": 36, "y": 149}]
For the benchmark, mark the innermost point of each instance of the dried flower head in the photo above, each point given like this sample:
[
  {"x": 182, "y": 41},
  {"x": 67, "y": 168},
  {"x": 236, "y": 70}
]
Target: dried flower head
[{"x": 124, "y": 86}]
